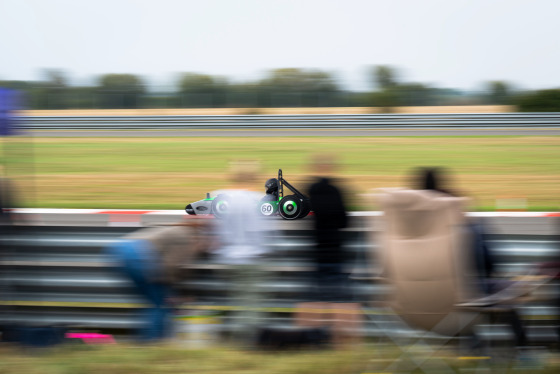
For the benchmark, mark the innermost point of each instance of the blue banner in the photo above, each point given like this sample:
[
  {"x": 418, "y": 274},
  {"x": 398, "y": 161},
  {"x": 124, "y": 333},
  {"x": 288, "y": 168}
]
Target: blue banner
[{"x": 9, "y": 105}]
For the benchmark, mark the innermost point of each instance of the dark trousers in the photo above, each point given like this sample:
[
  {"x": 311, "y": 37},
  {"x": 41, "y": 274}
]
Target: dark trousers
[
  {"x": 331, "y": 283},
  {"x": 139, "y": 264},
  {"x": 484, "y": 266}
]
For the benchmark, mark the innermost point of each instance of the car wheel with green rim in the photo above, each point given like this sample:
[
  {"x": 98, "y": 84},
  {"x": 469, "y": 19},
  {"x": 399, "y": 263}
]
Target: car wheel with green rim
[
  {"x": 290, "y": 207},
  {"x": 220, "y": 206}
]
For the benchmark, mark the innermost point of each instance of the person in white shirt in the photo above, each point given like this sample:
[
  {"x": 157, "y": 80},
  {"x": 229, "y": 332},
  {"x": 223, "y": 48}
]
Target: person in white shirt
[{"x": 239, "y": 233}]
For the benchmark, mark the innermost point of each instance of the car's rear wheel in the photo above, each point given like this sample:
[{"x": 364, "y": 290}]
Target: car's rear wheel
[{"x": 290, "y": 207}]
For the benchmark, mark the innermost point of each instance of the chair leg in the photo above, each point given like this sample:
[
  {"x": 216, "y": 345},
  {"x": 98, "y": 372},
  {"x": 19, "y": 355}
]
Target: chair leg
[{"x": 418, "y": 354}]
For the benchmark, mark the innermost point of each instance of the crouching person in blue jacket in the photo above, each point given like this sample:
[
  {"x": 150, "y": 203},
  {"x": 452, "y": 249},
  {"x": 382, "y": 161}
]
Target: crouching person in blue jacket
[{"x": 154, "y": 259}]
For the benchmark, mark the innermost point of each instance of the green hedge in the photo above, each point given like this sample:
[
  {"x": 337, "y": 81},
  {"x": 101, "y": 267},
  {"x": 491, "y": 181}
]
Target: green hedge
[{"x": 540, "y": 101}]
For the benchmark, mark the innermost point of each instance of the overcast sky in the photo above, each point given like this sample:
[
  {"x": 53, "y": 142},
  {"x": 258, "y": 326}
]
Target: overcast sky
[{"x": 448, "y": 43}]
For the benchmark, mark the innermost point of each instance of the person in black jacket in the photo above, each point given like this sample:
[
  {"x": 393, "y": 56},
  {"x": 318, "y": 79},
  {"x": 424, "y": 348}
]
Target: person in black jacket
[
  {"x": 330, "y": 217},
  {"x": 331, "y": 308}
]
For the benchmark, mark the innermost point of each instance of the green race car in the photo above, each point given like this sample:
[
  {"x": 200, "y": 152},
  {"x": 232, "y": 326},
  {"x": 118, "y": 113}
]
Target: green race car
[{"x": 274, "y": 203}]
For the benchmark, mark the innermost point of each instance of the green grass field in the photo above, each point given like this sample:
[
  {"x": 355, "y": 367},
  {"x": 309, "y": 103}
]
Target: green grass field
[
  {"x": 167, "y": 173},
  {"x": 150, "y": 360},
  {"x": 122, "y": 359}
]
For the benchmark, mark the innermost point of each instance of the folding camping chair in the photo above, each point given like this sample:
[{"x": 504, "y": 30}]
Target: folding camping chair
[{"x": 427, "y": 261}]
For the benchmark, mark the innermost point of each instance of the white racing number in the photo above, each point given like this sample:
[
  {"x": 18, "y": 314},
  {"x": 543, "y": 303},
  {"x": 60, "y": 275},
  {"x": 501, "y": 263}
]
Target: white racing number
[{"x": 267, "y": 209}]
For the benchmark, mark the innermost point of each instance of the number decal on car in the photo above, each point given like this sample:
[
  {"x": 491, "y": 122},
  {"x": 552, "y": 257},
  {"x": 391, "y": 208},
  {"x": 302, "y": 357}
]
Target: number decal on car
[{"x": 267, "y": 209}]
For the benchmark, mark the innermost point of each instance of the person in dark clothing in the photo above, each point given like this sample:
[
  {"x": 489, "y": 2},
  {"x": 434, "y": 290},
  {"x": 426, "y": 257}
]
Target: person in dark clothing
[
  {"x": 552, "y": 268},
  {"x": 331, "y": 307},
  {"x": 431, "y": 178},
  {"x": 330, "y": 217}
]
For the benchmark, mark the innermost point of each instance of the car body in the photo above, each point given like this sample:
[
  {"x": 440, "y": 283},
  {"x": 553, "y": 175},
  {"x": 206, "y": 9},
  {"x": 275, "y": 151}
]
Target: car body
[{"x": 274, "y": 203}]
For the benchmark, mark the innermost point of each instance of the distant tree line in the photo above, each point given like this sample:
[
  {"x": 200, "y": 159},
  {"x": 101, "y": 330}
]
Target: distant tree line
[{"x": 289, "y": 87}]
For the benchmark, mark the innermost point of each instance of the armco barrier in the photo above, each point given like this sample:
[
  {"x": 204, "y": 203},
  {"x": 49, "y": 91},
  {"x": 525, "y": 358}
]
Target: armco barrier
[
  {"x": 529, "y": 222},
  {"x": 59, "y": 274},
  {"x": 348, "y": 121}
]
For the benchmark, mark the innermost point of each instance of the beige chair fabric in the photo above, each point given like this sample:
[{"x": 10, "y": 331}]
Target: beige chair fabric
[{"x": 425, "y": 256}]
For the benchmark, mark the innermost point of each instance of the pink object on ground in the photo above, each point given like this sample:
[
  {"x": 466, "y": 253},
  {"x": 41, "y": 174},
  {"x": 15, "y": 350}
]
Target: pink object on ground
[{"x": 92, "y": 338}]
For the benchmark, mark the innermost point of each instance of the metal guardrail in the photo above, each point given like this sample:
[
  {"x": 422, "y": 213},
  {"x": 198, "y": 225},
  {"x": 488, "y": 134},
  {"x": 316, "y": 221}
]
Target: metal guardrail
[
  {"x": 61, "y": 275},
  {"x": 312, "y": 121}
]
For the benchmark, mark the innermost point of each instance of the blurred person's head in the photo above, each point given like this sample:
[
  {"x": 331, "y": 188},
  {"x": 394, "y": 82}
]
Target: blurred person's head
[
  {"x": 431, "y": 178},
  {"x": 323, "y": 164},
  {"x": 244, "y": 173}
]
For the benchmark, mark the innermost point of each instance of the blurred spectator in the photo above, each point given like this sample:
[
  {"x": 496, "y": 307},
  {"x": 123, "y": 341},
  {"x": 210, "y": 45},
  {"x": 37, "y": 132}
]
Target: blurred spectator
[
  {"x": 432, "y": 179},
  {"x": 152, "y": 258},
  {"x": 331, "y": 308},
  {"x": 241, "y": 245},
  {"x": 330, "y": 217},
  {"x": 239, "y": 229},
  {"x": 552, "y": 269},
  {"x": 557, "y": 276}
]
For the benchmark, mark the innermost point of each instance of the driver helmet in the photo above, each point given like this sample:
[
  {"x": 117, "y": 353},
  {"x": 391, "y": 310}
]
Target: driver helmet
[{"x": 271, "y": 186}]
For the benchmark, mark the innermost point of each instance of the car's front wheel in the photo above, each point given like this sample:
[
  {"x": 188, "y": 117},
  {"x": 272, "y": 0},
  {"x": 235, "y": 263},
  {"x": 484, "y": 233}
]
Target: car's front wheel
[{"x": 220, "y": 206}]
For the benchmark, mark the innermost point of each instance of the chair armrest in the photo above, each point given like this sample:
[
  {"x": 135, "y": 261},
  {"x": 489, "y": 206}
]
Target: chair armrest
[{"x": 519, "y": 288}]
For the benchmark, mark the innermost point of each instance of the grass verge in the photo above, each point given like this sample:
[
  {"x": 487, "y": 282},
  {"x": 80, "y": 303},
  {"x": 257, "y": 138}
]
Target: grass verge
[
  {"x": 166, "y": 173},
  {"x": 124, "y": 359}
]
